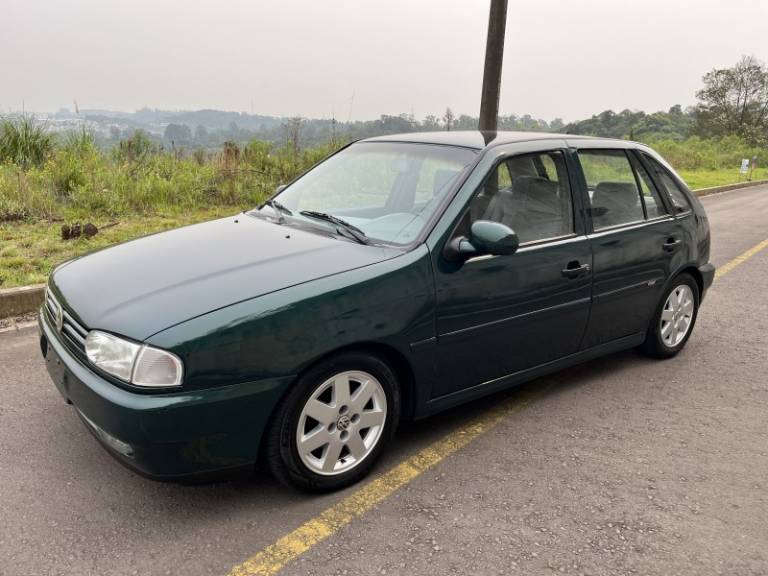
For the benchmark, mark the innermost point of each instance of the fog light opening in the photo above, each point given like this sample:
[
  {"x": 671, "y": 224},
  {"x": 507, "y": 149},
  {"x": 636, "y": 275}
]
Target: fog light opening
[{"x": 117, "y": 445}]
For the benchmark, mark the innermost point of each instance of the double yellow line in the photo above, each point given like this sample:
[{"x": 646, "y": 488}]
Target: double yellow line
[{"x": 274, "y": 557}]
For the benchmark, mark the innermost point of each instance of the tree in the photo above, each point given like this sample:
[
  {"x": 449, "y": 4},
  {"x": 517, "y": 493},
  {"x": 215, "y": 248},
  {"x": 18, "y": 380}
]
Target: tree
[
  {"x": 178, "y": 133},
  {"x": 448, "y": 119},
  {"x": 292, "y": 129},
  {"x": 201, "y": 134},
  {"x": 233, "y": 130},
  {"x": 431, "y": 123},
  {"x": 735, "y": 101}
]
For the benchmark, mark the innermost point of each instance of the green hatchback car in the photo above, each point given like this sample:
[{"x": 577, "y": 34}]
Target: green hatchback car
[{"x": 401, "y": 276}]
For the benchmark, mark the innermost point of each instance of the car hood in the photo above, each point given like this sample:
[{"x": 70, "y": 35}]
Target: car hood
[{"x": 146, "y": 285}]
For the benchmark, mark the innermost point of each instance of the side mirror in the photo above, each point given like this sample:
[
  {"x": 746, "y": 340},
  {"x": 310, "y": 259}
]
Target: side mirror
[{"x": 485, "y": 237}]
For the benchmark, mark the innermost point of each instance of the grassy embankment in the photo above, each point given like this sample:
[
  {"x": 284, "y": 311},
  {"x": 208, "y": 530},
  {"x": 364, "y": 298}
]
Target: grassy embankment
[
  {"x": 138, "y": 189},
  {"x": 133, "y": 190}
]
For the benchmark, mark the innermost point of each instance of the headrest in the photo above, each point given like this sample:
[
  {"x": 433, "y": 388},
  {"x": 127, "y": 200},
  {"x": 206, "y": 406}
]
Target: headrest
[
  {"x": 536, "y": 194},
  {"x": 615, "y": 194},
  {"x": 521, "y": 166}
]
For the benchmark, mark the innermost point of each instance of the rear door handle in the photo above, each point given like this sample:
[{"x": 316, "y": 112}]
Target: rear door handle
[
  {"x": 672, "y": 244},
  {"x": 573, "y": 269}
]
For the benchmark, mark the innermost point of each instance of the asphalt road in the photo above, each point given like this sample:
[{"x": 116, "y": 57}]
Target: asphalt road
[{"x": 624, "y": 466}]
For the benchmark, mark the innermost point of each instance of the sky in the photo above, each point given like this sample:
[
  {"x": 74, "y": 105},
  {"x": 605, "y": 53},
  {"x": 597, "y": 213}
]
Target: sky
[{"x": 358, "y": 59}]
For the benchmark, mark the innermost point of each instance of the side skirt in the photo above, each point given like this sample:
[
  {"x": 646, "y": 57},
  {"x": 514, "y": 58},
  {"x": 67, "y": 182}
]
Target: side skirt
[{"x": 460, "y": 397}]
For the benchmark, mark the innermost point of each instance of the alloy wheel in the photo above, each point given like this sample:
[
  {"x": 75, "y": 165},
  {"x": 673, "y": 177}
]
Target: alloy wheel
[
  {"x": 677, "y": 316},
  {"x": 341, "y": 423}
]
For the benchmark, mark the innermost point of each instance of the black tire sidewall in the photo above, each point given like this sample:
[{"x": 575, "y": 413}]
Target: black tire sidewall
[{"x": 284, "y": 457}]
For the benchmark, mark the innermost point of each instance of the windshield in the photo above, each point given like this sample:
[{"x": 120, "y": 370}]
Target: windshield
[{"x": 387, "y": 190}]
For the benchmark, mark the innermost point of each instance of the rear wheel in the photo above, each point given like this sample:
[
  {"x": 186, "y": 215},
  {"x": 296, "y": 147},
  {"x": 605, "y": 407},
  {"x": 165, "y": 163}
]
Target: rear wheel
[
  {"x": 334, "y": 424},
  {"x": 673, "y": 322}
]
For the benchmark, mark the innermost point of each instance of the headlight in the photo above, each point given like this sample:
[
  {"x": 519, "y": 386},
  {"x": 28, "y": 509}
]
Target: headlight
[
  {"x": 140, "y": 365},
  {"x": 113, "y": 355}
]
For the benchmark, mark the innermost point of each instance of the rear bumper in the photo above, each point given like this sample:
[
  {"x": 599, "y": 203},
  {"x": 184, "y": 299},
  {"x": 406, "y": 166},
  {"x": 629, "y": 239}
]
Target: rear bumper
[
  {"x": 707, "y": 272},
  {"x": 165, "y": 436}
]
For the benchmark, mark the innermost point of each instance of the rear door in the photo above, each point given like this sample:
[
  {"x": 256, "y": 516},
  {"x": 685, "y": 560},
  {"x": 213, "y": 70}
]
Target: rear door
[
  {"x": 634, "y": 240},
  {"x": 498, "y": 315}
]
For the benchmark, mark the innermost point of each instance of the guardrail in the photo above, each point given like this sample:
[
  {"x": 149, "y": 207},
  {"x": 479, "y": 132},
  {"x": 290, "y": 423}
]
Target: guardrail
[{"x": 26, "y": 299}]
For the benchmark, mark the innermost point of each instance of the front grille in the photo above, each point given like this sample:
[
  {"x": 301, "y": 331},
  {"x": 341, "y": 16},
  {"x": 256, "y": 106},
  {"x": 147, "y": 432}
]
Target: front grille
[{"x": 72, "y": 331}]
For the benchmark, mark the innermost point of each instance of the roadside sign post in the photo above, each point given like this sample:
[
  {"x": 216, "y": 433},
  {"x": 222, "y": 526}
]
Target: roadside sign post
[{"x": 744, "y": 166}]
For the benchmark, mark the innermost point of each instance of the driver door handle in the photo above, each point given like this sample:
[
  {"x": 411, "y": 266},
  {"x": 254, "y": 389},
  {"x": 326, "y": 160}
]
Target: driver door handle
[
  {"x": 574, "y": 269},
  {"x": 672, "y": 244}
]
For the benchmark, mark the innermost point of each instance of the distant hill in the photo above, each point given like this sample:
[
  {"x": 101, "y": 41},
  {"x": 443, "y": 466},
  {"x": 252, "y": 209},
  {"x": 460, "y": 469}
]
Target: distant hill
[{"x": 210, "y": 128}]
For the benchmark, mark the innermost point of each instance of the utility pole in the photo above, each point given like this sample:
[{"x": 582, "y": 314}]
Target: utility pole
[{"x": 494, "y": 54}]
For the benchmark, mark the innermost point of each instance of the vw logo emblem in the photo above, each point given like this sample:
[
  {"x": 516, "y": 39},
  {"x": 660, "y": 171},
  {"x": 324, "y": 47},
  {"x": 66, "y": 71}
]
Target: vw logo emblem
[{"x": 343, "y": 423}]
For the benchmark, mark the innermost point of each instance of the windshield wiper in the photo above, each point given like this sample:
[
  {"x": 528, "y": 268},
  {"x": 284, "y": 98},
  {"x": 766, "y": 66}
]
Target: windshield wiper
[
  {"x": 279, "y": 209},
  {"x": 351, "y": 229}
]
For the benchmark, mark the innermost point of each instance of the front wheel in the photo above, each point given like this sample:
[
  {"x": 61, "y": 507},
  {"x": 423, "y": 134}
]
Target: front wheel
[
  {"x": 334, "y": 424},
  {"x": 673, "y": 322}
]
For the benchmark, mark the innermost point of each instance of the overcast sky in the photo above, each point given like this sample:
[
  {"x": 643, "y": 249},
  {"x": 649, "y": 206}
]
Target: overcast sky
[{"x": 363, "y": 58}]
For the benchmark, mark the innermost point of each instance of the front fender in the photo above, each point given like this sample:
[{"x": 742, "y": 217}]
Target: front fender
[{"x": 280, "y": 334}]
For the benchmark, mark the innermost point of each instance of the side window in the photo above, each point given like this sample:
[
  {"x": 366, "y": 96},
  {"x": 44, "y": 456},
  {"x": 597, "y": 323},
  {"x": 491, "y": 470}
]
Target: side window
[
  {"x": 679, "y": 201},
  {"x": 654, "y": 207},
  {"x": 529, "y": 193},
  {"x": 612, "y": 187}
]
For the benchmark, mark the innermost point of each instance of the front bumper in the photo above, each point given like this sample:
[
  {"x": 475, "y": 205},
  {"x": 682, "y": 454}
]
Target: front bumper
[{"x": 165, "y": 436}]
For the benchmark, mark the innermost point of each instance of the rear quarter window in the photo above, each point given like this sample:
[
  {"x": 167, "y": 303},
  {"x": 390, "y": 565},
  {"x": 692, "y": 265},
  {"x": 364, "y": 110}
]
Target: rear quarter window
[{"x": 680, "y": 202}]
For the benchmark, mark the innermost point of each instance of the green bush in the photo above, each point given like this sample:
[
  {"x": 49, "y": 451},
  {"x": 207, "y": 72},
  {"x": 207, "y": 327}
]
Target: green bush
[
  {"x": 711, "y": 154},
  {"x": 24, "y": 142}
]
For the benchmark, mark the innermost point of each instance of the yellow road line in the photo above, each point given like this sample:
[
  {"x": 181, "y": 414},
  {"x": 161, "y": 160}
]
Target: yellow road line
[
  {"x": 273, "y": 558},
  {"x": 723, "y": 270}
]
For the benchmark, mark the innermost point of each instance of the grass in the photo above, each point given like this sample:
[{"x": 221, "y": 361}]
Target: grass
[
  {"x": 25, "y": 142},
  {"x": 697, "y": 179},
  {"x": 30, "y": 250},
  {"x": 46, "y": 182}
]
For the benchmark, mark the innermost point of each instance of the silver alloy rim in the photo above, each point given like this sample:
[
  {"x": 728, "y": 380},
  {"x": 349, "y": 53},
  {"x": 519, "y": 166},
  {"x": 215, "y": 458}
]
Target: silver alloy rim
[
  {"x": 341, "y": 423},
  {"x": 676, "y": 316}
]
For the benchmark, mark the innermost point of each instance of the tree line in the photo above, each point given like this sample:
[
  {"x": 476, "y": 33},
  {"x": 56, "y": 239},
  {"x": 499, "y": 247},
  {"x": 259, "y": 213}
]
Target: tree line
[{"x": 732, "y": 101}]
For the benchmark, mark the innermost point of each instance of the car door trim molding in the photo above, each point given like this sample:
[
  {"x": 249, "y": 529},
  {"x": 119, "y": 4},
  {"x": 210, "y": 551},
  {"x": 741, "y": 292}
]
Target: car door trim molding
[
  {"x": 630, "y": 226},
  {"x": 650, "y": 283},
  {"x": 548, "y": 309},
  {"x": 528, "y": 246}
]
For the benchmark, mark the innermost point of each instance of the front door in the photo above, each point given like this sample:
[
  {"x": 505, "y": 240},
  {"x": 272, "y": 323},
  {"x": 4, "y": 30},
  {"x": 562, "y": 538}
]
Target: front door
[{"x": 498, "y": 315}]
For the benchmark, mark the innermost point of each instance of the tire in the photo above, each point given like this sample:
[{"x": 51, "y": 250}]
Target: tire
[
  {"x": 660, "y": 344},
  {"x": 318, "y": 411}
]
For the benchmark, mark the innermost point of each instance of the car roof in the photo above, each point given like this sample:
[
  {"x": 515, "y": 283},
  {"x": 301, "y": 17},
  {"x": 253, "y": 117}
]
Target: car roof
[{"x": 478, "y": 139}]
